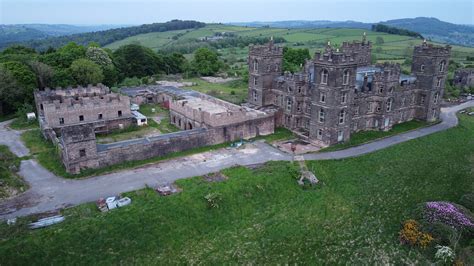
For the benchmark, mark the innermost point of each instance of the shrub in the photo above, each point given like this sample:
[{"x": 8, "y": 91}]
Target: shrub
[
  {"x": 213, "y": 200},
  {"x": 467, "y": 201},
  {"x": 447, "y": 213},
  {"x": 413, "y": 236},
  {"x": 444, "y": 254}
]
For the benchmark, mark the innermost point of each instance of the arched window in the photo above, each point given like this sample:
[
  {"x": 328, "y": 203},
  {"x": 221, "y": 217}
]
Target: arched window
[
  {"x": 342, "y": 116},
  {"x": 255, "y": 81},
  {"x": 442, "y": 66},
  {"x": 255, "y": 65},
  {"x": 324, "y": 76},
  {"x": 345, "y": 77},
  {"x": 389, "y": 104},
  {"x": 440, "y": 81},
  {"x": 344, "y": 97}
]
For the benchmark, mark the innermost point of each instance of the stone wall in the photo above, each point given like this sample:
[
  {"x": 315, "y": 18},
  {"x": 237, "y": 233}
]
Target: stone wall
[{"x": 80, "y": 150}]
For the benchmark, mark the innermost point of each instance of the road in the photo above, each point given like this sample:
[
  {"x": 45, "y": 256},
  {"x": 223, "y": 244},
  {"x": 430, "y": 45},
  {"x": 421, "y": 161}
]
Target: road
[{"x": 48, "y": 192}]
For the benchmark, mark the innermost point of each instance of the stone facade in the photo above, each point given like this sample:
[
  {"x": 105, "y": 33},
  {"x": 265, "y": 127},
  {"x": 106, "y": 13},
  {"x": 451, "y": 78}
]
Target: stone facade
[
  {"x": 464, "y": 78},
  {"x": 72, "y": 106},
  {"x": 338, "y": 92}
]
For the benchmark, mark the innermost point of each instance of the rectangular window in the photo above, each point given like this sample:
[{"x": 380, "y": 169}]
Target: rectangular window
[
  {"x": 298, "y": 107},
  {"x": 119, "y": 113},
  {"x": 255, "y": 81},
  {"x": 288, "y": 104},
  {"x": 255, "y": 96},
  {"x": 99, "y": 117},
  {"x": 322, "y": 97},
  {"x": 344, "y": 97},
  {"x": 320, "y": 134},
  {"x": 82, "y": 153},
  {"x": 81, "y": 118},
  {"x": 389, "y": 105},
  {"x": 61, "y": 121},
  {"x": 422, "y": 99},
  {"x": 438, "y": 84},
  {"x": 342, "y": 117},
  {"x": 321, "y": 115},
  {"x": 436, "y": 98}
]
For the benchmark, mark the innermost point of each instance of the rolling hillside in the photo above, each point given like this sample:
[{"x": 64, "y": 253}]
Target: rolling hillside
[{"x": 394, "y": 47}]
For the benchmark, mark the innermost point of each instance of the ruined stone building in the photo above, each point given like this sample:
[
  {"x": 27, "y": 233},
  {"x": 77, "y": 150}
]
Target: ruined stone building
[
  {"x": 338, "y": 92},
  {"x": 95, "y": 105},
  {"x": 464, "y": 78},
  {"x": 71, "y": 118}
]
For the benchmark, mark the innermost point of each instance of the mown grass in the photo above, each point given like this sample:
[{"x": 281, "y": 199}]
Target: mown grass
[
  {"x": 264, "y": 217},
  {"x": 368, "y": 136},
  {"x": 233, "y": 91},
  {"x": 10, "y": 182},
  {"x": 22, "y": 124}
]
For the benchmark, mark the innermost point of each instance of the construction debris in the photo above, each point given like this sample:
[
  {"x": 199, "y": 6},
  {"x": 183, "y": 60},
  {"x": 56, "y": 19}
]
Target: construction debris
[
  {"x": 105, "y": 205},
  {"x": 46, "y": 222},
  {"x": 165, "y": 190}
]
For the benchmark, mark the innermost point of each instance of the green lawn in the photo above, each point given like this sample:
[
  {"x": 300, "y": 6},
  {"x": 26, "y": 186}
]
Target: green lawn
[
  {"x": 233, "y": 91},
  {"x": 264, "y": 217},
  {"x": 367, "y": 136},
  {"x": 10, "y": 182}
]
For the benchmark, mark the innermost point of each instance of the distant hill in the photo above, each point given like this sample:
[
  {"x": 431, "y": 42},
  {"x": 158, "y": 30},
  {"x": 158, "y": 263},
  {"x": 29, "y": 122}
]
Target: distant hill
[
  {"x": 431, "y": 28},
  {"x": 105, "y": 37},
  {"x": 16, "y": 33}
]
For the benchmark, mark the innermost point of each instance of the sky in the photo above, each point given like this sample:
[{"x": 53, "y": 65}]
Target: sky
[{"x": 128, "y": 12}]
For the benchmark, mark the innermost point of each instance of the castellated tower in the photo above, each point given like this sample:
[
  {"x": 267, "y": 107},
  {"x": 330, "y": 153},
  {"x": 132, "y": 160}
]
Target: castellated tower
[
  {"x": 332, "y": 95},
  {"x": 265, "y": 64},
  {"x": 430, "y": 66},
  {"x": 360, "y": 51}
]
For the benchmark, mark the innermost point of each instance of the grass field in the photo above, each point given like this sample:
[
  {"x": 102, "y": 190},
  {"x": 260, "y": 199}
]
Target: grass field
[
  {"x": 264, "y": 217},
  {"x": 367, "y": 136},
  {"x": 394, "y": 46},
  {"x": 10, "y": 182},
  {"x": 233, "y": 91}
]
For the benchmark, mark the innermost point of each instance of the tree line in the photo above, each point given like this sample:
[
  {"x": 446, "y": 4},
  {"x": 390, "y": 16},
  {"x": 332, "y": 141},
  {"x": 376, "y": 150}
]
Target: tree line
[
  {"x": 109, "y": 36},
  {"x": 394, "y": 30},
  {"x": 23, "y": 69}
]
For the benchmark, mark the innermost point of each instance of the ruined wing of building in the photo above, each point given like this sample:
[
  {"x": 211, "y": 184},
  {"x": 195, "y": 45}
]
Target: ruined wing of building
[{"x": 338, "y": 92}]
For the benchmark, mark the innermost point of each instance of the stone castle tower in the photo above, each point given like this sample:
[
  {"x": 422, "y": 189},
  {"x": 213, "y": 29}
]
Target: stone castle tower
[
  {"x": 332, "y": 93},
  {"x": 265, "y": 64},
  {"x": 430, "y": 66}
]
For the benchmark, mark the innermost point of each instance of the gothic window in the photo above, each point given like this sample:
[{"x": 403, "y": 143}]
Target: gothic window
[
  {"x": 342, "y": 116},
  {"x": 255, "y": 95},
  {"x": 288, "y": 104},
  {"x": 442, "y": 66},
  {"x": 356, "y": 110},
  {"x": 255, "y": 65},
  {"x": 436, "y": 97},
  {"x": 344, "y": 97},
  {"x": 378, "y": 107},
  {"x": 438, "y": 83},
  {"x": 389, "y": 104},
  {"x": 290, "y": 89},
  {"x": 381, "y": 90},
  {"x": 299, "y": 89},
  {"x": 99, "y": 116},
  {"x": 320, "y": 134},
  {"x": 321, "y": 115},
  {"x": 324, "y": 76},
  {"x": 345, "y": 77},
  {"x": 298, "y": 106},
  {"x": 255, "y": 81},
  {"x": 403, "y": 101},
  {"x": 322, "y": 97}
]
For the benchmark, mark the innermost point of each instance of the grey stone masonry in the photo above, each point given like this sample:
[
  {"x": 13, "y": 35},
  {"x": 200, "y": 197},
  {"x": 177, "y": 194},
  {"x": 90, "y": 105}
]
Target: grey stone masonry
[{"x": 338, "y": 92}]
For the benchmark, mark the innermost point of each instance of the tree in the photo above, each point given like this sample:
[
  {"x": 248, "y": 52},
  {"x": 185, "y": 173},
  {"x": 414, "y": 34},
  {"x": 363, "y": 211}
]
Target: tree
[
  {"x": 206, "y": 62},
  {"x": 379, "y": 40},
  {"x": 43, "y": 72},
  {"x": 98, "y": 56},
  {"x": 9, "y": 93},
  {"x": 86, "y": 72},
  {"x": 293, "y": 59},
  {"x": 134, "y": 60}
]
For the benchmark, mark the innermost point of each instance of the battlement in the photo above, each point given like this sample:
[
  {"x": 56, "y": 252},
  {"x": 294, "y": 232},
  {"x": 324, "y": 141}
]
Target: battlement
[
  {"x": 268, "y": 49},
  {"x": 332, "y": 56},
  {"x": 59, "y": 93},
  {"x": 388, "y": 72},
  {"x": 296, "y": 77},
  {"x": 428, "y": 49},
  {"x": 356, "y": 45}
]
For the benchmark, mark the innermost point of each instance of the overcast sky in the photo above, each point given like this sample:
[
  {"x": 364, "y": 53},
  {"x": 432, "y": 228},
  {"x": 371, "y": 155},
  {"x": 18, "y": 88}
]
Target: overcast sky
[{"x": 87, "y": 12}]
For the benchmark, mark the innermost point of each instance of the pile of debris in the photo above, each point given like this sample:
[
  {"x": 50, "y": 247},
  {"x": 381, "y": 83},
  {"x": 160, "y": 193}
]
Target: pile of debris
[
  {"x": 110, "y": 203},
  {"x": 45, "y": 222},
  {"x": 215, "y": 177},
  {"x": 165, "y": 190}
]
